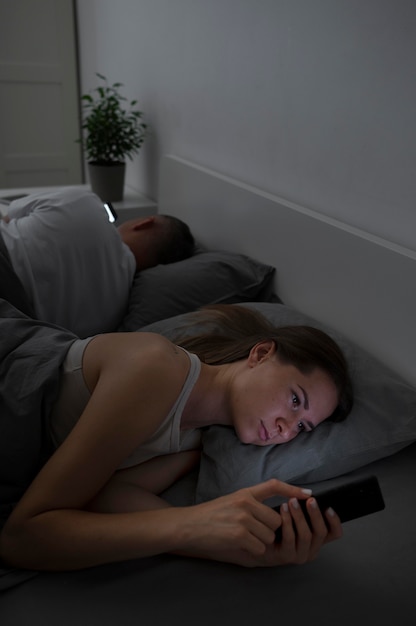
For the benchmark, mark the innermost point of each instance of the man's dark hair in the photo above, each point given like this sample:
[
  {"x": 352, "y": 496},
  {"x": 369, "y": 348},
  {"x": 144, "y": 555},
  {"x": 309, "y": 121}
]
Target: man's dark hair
[{"x": 178, "y": 243}]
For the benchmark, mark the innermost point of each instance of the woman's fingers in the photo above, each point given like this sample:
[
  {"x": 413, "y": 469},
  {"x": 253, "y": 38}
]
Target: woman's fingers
[
  {"x": 237, "y": 521},
  {"x": 262, "y": 521},
  {"x": 325, "y": 524},
  {"x": 255, "y": 517},
  {"x": 241, "y": 524},
  {"x": 273, "y": 487},
  {"x": 303, "y": 538},
  {"x": 239, "y": 528},
  {"x": 335, "y": 526}
]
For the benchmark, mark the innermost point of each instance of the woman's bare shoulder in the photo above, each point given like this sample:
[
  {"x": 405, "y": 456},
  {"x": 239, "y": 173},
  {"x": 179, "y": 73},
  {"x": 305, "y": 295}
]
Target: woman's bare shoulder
[
  {"x": 136, "y": 340},
  {"x": 125, "y": 352}
]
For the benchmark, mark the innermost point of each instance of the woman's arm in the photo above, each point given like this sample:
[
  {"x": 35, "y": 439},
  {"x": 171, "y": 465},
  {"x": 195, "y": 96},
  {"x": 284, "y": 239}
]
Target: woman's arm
[
  {"x": 135, "y": 380},
  {"x": 236, "y": 528},
  {"x": 137, "y": 488}
]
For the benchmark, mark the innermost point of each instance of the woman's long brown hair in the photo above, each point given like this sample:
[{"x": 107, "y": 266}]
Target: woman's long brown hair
[{"x": 228, "y": 332}]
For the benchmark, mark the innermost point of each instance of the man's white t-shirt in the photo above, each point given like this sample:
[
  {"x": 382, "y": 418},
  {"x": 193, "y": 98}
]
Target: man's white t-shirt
[{"x": 71, "y": 260}]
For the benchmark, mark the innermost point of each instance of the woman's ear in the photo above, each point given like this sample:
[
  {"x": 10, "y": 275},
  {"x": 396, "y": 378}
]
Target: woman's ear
[{"x": 261, "y": 352}]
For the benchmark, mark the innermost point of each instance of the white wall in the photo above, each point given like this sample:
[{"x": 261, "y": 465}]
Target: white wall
[{"x": 312, "y": 100}]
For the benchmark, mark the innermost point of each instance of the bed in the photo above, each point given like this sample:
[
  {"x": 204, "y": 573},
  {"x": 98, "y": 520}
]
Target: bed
[{"x": 294, "y": 265}]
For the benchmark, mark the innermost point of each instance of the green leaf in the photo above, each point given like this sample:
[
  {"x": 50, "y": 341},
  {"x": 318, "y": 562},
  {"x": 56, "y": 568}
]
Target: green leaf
[{"x": 111, "y": 133}]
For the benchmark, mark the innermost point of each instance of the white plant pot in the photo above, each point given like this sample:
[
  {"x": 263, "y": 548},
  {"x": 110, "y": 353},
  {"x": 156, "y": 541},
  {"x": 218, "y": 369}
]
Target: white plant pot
[{"x": 107, "y": 181}]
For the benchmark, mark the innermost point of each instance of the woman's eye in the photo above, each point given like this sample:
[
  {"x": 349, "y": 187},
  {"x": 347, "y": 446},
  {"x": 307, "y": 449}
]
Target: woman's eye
[{"x": 295, "y": 400}]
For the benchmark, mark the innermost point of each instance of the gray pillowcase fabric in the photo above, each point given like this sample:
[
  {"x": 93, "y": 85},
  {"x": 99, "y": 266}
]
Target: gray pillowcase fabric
[{"x": 208, "y": 277}]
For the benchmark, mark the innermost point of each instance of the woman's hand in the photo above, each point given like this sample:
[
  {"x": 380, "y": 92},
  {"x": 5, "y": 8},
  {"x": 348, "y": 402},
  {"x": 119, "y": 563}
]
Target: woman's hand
[
  {"x": 300, "y": 542},
  {"x": 239, "y": 528}
]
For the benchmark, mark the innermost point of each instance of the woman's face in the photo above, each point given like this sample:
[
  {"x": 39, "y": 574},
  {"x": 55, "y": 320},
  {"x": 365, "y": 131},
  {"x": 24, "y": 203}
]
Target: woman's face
[{"x": 272, "y": 402}]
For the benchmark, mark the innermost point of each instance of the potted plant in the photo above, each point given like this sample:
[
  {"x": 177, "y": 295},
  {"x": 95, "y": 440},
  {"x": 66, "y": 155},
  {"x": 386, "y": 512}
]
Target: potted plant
[{"x": 112, "y": 133}]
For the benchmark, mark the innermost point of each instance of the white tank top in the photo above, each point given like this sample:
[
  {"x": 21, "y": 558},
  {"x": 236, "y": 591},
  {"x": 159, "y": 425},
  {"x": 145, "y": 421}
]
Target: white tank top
[{"x": 74, "y": 395}]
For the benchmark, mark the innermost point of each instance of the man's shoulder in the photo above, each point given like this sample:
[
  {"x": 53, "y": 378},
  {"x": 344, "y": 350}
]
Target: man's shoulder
[{"x": 73, "y": 200}]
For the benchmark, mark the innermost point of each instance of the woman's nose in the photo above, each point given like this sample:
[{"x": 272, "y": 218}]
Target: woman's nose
[{"x": 285, "y": 429}]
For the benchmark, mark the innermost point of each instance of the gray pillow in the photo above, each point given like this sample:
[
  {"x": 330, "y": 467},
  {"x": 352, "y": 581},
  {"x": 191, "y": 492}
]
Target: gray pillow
[
  {"x": 382, "y": 422},
  {"x": 208, "y": 277}
]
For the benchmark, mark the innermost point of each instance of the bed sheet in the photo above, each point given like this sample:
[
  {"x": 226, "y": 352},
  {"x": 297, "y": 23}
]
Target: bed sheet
[{"x": 366, "y": 576}]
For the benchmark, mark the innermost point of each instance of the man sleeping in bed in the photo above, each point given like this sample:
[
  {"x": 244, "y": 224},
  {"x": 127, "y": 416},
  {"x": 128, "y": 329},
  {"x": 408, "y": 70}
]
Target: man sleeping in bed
[{"x": 75, "y": 266}]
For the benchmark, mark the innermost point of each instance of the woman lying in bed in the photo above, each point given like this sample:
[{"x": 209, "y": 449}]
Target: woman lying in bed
[{"x": 95, "y": 501}]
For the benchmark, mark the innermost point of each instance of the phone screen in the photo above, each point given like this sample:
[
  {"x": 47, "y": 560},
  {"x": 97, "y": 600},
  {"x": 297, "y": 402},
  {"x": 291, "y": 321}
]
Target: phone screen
[{"x": 111, "y": 212}]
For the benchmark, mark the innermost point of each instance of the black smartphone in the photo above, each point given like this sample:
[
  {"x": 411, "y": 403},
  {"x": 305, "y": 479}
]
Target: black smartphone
[{"x": 351, "y": 500}]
